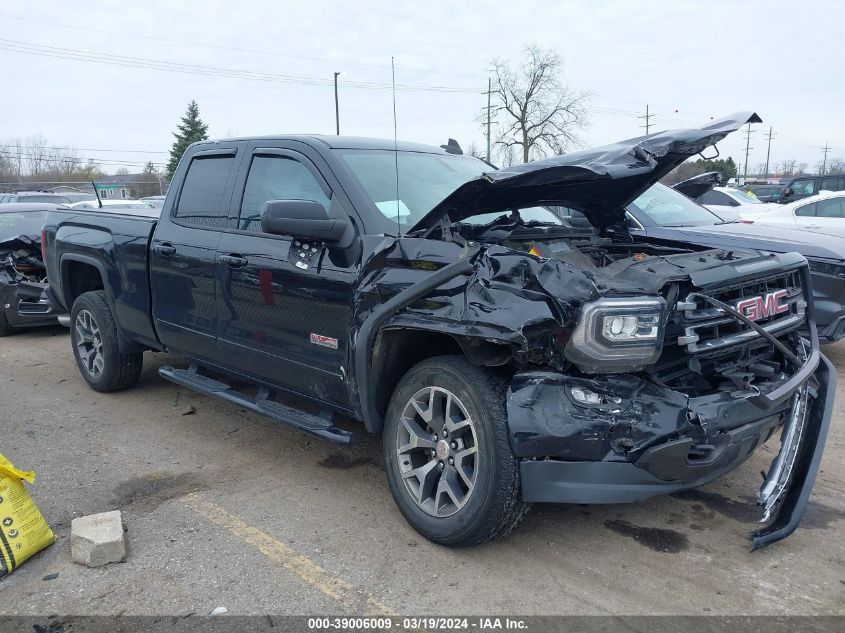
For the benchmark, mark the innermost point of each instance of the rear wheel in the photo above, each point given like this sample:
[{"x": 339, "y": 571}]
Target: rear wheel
[
  {"x": 93, "y": 335},
  {"x": 447, "y": 453}
]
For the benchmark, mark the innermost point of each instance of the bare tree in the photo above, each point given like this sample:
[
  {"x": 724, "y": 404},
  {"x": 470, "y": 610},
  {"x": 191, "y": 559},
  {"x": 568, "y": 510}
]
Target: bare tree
[
  {"x": 473, "y": 150},
  {"x": 35, "y": 154},
  {"x": 787, "y": 167},
  {"x": 507, "y": 155},
  {"x": 537, "y": 111},
  {"x": 835, "y": 165}
]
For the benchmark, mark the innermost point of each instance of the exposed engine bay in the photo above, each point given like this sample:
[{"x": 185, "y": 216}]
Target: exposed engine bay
[
  {"x": 733, "y": 358},
  {"x": 21, "y": 259}
]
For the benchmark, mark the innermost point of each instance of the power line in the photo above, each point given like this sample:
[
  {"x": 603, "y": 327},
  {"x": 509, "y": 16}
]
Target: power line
[
  {"x": 198, "y": 69},
  {"x": 77, "y": 160},
  {"x": 232, "y": 48}
]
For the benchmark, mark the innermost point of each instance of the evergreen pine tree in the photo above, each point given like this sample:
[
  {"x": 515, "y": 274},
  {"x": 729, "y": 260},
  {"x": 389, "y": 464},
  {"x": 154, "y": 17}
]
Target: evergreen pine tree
[{"x": 190, "y": 130}]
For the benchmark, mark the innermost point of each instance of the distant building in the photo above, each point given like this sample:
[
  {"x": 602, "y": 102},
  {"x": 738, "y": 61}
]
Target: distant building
[{"x": 125, "y": 186}]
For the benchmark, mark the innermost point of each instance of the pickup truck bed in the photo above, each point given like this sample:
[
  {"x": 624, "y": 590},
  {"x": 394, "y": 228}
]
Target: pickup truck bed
[{"x": 115, "y": 245}]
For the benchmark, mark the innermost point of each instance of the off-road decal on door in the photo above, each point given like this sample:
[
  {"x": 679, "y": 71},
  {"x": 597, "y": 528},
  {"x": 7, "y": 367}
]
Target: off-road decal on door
[{"x": 324, "y": 341}]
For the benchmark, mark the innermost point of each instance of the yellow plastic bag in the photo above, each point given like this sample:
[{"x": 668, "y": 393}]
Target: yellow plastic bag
[{"x": 23, "y": 531}]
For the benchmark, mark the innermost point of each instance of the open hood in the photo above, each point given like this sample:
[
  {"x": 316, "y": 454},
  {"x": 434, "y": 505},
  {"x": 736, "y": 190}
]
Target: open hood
[
  {"x": 598, "y": 182},
  {"x": 698, "y": 185}
]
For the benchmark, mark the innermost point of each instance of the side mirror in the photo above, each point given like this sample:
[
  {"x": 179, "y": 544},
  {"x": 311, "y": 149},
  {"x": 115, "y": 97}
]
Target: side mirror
[
  {"x": 786, "y": 192},
  {"x": 305, "y": 219}
]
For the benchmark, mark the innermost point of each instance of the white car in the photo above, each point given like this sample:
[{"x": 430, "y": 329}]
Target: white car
[
  {"x": 823, "y": 213},
  {"x": 114, "y": 204},
  {"x": 732, "y": 204}
]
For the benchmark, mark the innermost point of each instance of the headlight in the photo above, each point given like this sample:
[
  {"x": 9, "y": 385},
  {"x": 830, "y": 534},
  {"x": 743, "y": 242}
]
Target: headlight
[
  {"x": 826, "y": 268},
  {"x": 617, "y": 334}
]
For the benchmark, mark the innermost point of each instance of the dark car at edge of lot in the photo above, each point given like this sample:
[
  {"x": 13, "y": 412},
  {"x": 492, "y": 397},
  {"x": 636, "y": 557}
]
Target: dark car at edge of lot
[
  {"x": 805, "y": 186},
  {"x": 23, "y": 276}
]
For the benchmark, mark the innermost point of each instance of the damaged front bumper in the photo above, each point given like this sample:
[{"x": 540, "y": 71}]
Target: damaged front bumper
[{"x": 636, "y": 439}]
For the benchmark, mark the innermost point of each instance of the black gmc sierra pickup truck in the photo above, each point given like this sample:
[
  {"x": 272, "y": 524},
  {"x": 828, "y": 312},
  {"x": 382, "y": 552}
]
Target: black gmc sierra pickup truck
[{"x": 506, "y": 356}]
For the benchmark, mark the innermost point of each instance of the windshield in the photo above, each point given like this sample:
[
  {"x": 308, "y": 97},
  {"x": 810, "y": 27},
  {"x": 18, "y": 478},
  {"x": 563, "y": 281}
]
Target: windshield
[
  {"x": 14, "y": 224},
  {"x": 742, "y": 197},
  {"x": 667, "y": 207},
  {"x": 424, "y": 179},
  {"x": 528, "y": 214}
]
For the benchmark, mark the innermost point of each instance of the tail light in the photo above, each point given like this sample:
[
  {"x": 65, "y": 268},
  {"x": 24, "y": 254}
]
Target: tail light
[{"x": 746, "y": 221}]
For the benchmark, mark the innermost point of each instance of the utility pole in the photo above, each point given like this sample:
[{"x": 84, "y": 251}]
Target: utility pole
[
  {"x": 647, "y": 118},
  {"x": 748, "y": 148},
  {"x": 336, "y": 107},
  {"x": 768, "y": 152},
  {"x": 489, "y": 111},
  {"x": 825, "y": 149},
  {"x": 489, "y": 108}
]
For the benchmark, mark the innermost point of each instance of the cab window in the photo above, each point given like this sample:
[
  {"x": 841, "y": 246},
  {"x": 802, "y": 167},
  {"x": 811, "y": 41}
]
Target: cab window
[
  {"x": 277, "y": 178},
  {"x": 202, "y": 200}
]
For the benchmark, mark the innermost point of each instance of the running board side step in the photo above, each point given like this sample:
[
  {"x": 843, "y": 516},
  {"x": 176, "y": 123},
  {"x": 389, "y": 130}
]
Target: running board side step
[{"x": 316, "y": 425}]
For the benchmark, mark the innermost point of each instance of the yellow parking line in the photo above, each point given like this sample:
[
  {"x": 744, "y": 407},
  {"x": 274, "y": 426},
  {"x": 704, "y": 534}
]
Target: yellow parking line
[{"x": 282, "y": 555}]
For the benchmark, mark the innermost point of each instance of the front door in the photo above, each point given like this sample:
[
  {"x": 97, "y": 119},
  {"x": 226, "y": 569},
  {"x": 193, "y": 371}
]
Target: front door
[
  {"x": 183, "y": 257},
  {"x": 284, "y": 309}
]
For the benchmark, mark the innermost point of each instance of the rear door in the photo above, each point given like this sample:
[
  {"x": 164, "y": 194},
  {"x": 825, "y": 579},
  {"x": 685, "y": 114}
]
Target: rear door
[
  {"x": 828, "y": 218},
  {"x": 285, "y": 309},
  {"x": 183, "y": 257}
]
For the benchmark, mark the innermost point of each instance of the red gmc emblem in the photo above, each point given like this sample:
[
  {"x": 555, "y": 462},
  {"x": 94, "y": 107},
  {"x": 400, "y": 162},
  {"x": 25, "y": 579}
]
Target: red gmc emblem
[{"x": 756, "y": 308}]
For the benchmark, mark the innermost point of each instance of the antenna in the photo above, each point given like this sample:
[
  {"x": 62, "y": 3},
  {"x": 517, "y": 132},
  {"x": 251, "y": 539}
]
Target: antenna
[
  {"x": 395, "y": 145},
  {"x": 97, "y": 193}
]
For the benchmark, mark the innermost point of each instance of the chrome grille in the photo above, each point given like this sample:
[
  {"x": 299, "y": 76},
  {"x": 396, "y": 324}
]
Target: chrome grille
[{"x": 700, "y": 327}]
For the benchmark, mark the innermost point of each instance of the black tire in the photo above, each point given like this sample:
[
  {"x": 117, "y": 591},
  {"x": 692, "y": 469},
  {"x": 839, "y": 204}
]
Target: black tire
[
  {"x": 116, "y": 370},
  {"x": 494, "y": 507},
  {"x": 5, "y": 328}
]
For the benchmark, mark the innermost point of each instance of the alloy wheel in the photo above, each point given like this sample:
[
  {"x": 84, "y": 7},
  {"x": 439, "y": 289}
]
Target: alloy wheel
[
  {"x": 89, "y": 343},
  {"x": 437, "y": 451}
]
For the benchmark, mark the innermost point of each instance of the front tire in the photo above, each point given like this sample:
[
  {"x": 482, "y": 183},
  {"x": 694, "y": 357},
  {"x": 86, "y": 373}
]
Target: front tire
[
  {"x": 448, "y": 457},
  {"x": 93, "y": 335}
]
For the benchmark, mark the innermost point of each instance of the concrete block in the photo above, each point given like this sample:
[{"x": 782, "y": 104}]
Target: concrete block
[{"x": 97, "y": 539}]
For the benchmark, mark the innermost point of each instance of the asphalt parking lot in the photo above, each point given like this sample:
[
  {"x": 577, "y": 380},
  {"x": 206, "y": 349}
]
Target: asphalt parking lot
[{"x": 225, "y": 508}]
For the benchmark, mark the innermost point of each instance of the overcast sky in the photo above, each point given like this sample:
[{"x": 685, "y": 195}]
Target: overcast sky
[{"x": 688, "y": 60}]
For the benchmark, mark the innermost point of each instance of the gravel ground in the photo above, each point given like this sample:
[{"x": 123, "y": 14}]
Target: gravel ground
[{"x": 225, "y": 508}]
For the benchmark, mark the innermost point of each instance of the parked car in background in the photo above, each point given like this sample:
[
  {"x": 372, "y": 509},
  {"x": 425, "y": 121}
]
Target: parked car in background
[
  {"x": 805, "y": 186},
  {"x": 764, "y": 192},
  {"x": 698, "y": 185},
  {"x": 156, "y": 201},
  {"x": 667, "y": 217},
  {"x": 732, "y": 204},
  {"x": 823, "y": 213},
  {"x": 79, "y": 197},
  {"x": 112, "y": 204},
  {"x": 34, "y": 196},
  {"x": 23, "y": 276}
]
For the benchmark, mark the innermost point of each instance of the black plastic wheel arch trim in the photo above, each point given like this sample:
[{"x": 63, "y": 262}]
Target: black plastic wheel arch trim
[{"x": 373, "y": 420}]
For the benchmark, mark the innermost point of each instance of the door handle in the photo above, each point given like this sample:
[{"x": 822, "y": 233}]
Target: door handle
[
  {"x": 164, "y": 248},
  {"x": 233, "y": 261}
]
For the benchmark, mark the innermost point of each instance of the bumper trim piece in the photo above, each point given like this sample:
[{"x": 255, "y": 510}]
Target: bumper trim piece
[{"x": 808, "y": 458}]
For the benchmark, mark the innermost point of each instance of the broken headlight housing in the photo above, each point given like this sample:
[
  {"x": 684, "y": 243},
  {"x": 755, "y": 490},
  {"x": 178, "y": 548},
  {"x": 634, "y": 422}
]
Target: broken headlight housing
[{"x": 617, "y": 334}]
